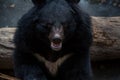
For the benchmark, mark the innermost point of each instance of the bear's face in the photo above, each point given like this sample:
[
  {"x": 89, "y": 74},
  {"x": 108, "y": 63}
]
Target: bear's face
[
  {"x": 56, "y": 33},
  {"x": 56, "y": 23}
]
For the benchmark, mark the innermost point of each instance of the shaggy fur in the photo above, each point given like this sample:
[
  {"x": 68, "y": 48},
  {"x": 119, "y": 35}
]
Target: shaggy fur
[{"x": 32, "y": 37}]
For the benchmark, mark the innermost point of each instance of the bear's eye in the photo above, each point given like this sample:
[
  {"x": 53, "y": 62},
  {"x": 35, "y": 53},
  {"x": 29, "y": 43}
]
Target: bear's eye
[
  {"x": 44, "y": 27},
  {"x": 41, "y": 28},
  {"x": 47, "y": 26},
  {"x": 65, "y": 25}
]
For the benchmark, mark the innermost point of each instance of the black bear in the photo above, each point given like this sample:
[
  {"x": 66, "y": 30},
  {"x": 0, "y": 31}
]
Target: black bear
[{"x": 52, "y": 42}]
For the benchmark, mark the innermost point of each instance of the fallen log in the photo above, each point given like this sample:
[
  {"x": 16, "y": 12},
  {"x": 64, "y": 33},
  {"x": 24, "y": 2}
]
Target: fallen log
[
  {"x": 106, "y": 42},
  {"x": 7, "y": 77}
]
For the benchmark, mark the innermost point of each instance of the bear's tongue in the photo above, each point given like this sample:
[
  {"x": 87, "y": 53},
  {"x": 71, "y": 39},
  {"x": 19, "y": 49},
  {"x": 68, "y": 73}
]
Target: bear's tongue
[{"x": 56, "y": 46}]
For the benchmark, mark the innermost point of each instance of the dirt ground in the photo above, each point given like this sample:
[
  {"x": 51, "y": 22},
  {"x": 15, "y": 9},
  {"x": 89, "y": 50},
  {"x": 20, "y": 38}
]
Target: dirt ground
[{"x": 106, "y": 70}]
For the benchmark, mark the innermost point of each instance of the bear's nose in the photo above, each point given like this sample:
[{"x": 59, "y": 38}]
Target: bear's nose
[{"x": 56, "y": 40}]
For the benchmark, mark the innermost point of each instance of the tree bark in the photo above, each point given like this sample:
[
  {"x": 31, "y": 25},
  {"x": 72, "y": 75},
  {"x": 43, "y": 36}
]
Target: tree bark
[
  {"x": 106, "y": 38},
  {"x": 6, "y": 47},
  {"x": 106, "y": 41}
]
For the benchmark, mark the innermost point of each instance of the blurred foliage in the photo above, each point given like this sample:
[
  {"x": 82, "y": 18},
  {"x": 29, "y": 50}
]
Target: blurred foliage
[
  {"x": 110, "y": 2},
  {"x": 104, "y": 1},
  {"x": 94, "y": 1}
]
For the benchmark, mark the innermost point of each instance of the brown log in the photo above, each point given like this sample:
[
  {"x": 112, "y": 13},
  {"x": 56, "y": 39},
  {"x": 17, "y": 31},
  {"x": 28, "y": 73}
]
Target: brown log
[
  {"x": 7, "y": 77},
  {"x": 6, "y": 47},
  {"x": 106, "y": 42}
]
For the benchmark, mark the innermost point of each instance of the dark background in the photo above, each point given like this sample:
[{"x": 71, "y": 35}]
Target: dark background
[{"x": 12, "y": 10}]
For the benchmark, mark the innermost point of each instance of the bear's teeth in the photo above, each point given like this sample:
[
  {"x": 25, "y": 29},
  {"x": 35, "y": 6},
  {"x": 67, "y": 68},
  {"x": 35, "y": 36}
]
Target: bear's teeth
[{"x": 56, "y": 47}]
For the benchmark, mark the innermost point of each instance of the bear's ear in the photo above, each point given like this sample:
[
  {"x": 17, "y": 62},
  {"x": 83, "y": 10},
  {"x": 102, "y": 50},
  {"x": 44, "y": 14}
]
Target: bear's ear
[
  {"x": 38, "y": 2},
  {"x": 73, "y": 1}
]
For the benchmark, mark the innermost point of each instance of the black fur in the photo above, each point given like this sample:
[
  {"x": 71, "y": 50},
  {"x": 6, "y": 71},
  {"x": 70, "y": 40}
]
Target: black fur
[{"x": 32, "y": 37}]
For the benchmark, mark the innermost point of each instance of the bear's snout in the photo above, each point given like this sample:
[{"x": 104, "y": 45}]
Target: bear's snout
[{"x": 56, "y": 37}]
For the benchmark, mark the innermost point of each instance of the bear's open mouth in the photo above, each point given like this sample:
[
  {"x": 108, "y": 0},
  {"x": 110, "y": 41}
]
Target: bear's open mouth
[{"x": 56, "y": 46}]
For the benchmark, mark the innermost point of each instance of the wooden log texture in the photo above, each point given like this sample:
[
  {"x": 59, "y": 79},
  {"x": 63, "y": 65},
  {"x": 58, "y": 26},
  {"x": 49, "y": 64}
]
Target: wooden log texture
[{"x": 106, "y": 42}]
